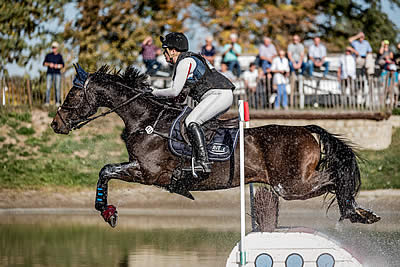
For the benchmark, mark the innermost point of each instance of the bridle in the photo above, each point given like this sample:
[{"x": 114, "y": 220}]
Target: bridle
[
  {"x": 82, "y": 122},
  {"x": 76, "y": 123}
]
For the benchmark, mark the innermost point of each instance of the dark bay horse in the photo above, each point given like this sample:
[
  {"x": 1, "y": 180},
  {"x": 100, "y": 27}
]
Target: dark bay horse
[{"x": 288, "y": 158}]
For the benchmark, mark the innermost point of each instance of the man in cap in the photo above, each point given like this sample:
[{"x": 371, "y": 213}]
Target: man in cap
[
  {"x": 54, "y": 63},
  {"x": 208, "y": 87}
]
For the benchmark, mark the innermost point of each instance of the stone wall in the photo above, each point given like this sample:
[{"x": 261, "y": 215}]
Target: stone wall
[{"x": 365, "y": 134}]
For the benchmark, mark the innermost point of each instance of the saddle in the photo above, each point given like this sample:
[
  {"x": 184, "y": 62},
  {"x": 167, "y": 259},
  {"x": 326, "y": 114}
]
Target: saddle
[{"x": 221, "y": 137}]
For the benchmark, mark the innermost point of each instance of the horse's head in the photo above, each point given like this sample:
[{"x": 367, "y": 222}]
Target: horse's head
[{"x": 79, "y": 104}]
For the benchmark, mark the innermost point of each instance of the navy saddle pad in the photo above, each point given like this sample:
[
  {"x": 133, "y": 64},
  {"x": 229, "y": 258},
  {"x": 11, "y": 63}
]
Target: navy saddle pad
[{"x": 220, "y": 146}]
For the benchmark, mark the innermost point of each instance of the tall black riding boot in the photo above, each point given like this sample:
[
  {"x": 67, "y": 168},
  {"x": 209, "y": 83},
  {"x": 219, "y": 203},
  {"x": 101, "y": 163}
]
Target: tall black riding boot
[{"x": 196, "y": 138}]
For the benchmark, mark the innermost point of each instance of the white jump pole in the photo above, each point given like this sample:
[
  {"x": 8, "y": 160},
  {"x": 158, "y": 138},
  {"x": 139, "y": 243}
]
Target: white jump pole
[{"x": 244, "y": 117}]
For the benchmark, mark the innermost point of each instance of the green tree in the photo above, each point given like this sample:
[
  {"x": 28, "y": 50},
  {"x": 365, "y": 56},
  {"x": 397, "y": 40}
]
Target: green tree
[
  {"x": 335, "y": 21},
  {"x": 24, "y": 20},
  {"x": 253, "y": 19},
  {"x": 112, "y": 31},
  {"x": 345, "y": 18}
]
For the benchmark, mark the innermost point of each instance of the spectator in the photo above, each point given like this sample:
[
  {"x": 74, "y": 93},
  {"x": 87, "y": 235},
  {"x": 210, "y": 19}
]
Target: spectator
[
  {"x": 317, "y": 54},
  {"x": 280, "y": 68},
  {"x": 385, "y": 58},
  {"x": 296, "y": 55},
  {"x": 361, "y": 49},
  {"x": 54, "y": 63},
  {"x": 250, "y": 78},
  {"x": 226, "y": 72},
  {"x": 230, "y": 55},
  {"x": 266, "y": 53},
  {"x": 347, "y": 65},
  {"x": 150, "y": 53},
  {"x": 208, "y": 50}
]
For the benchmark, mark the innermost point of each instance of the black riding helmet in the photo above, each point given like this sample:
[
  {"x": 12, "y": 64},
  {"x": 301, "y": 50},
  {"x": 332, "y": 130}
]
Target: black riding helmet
[{"x": 175, "y": 40}]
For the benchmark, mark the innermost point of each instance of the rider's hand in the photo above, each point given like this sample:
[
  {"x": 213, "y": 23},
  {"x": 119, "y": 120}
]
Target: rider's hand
[{"x": 148, "y": 91}]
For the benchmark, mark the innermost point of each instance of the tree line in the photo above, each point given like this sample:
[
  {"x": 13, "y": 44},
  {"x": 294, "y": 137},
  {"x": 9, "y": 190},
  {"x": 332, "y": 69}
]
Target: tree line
[{"x": 111, "y": 31}]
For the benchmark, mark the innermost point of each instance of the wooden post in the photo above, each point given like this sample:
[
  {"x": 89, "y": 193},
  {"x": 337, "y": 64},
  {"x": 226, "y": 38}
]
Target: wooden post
[
  {"x": 6, "y": 93},
  {"x": 11, "y": 92},
  {"x": 16, "y": 92},
  {"x": 301, "y": 93},
  {"x": 371, "y": 93},
  {"x": 292, "y": 84},
  {"x": 383, "y": 95},
  {"x": 391, "y": 90},
  {"x": 28, "y": 85},
  {"x": 2, "y": 92},
  {"x": 270, "y": 91},
  {"x": 19, "y": 92}
]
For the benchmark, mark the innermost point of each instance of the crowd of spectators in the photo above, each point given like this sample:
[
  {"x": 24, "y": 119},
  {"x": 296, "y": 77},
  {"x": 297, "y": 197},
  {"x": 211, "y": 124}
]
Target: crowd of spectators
[
  {"x": 273, "y": 64},
  {"x": 275, "y": 67},
  {"x": 269, "y": 65},
  {"x": 357, "y": 58},
  {"x": 303, "y": 62}
]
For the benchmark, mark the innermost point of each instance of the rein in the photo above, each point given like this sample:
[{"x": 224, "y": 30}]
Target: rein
[
  {"x": 82, "y": 123},
  {"x": 149, "y": 130},
  {"x": 165, "y": 106}
]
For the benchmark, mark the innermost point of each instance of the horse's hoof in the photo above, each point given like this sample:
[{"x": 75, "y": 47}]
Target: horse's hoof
[
  {"x": 360, "y": 215},
  {"x": 368, "y": 216},
  {"x": 110, "y": 215},
  {"x": 113, "y": 220}
]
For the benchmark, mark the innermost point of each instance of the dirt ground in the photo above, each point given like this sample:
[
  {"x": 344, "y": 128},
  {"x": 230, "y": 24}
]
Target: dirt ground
[
  {"x": 146, "y": 197},
  {"x": 147, "y": 208}
]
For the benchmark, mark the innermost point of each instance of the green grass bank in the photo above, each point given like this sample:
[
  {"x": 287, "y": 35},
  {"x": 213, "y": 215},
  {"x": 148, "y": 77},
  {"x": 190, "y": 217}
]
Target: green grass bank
[{"x": 33, "y": 156}]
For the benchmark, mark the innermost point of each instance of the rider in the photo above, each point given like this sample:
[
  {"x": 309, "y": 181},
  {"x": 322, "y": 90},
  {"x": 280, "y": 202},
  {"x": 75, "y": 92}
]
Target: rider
[{"x": 208, "y": 87}]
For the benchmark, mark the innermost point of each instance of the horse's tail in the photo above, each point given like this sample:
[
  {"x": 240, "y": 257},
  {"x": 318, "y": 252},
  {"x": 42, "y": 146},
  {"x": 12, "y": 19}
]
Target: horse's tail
[{"x": 340, "y": 161}]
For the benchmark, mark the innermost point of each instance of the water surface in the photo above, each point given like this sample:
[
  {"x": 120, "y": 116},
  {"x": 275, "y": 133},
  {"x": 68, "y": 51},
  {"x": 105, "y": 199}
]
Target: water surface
[{"x": 85, "y": 240}]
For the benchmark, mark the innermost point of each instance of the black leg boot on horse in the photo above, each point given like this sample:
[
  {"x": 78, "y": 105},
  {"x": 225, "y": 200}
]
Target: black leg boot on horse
[
  {"x": 199, "y": 150},
  {"x": 108, "y": 212}
]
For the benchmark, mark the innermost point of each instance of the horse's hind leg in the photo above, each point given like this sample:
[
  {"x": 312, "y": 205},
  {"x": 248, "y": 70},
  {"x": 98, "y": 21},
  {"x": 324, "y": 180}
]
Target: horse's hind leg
[{"x": 128, "y": 171}]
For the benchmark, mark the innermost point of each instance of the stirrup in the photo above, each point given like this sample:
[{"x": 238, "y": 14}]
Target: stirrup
[
  {"x": 194, "y": 168},
  {"x": 198, "y": 167}
]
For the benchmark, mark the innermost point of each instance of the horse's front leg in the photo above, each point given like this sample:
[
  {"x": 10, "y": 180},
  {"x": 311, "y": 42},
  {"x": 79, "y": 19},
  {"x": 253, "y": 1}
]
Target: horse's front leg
[{"x": 128, "y": 171}]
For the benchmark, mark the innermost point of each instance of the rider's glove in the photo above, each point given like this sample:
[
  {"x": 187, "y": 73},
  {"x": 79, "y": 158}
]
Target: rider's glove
[{"x": 148, "y": 91}]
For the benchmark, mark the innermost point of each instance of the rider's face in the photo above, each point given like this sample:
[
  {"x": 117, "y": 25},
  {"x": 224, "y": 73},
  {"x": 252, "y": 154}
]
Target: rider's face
[
  {"x": 169, "y": 55},
  {"x": 166, "y": 54}
]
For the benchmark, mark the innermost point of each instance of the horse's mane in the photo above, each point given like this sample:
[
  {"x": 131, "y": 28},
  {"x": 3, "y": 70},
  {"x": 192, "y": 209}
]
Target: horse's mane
[
  {"x": 134, "y": 81},
  {"x": 131, "y": 77}
]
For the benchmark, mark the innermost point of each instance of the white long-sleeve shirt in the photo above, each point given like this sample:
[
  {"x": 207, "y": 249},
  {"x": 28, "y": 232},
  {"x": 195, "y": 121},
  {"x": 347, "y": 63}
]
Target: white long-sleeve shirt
[
  {"x": 184, "y": 70},
  {"x": 347, "y": 67},
  {"x": 280, "y": 64}
]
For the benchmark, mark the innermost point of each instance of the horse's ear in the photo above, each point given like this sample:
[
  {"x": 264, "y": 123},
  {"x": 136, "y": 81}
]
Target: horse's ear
[
  {"x": 76, "y": 70},
  {"x": 81, "y": 72}
]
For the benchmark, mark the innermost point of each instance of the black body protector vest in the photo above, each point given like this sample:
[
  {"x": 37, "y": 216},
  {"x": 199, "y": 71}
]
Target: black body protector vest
[{"x": 205, "y": 77}]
